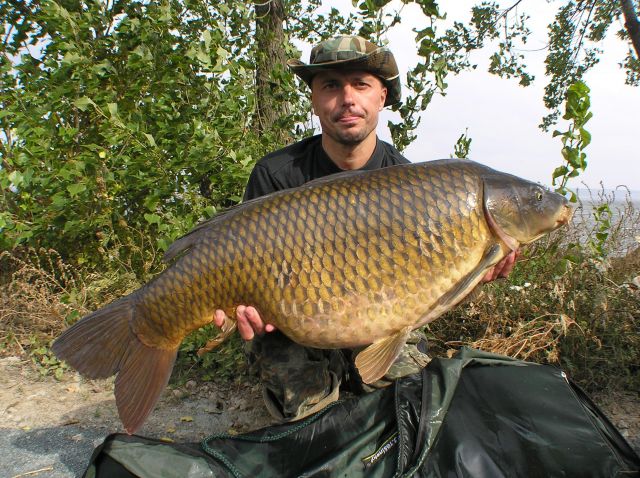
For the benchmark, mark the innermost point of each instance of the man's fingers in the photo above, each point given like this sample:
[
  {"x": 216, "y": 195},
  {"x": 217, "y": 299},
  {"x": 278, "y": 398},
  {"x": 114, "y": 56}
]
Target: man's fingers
[
  {"x": 490, "y": 275},
  {"x": 253, "y": 317},
  {"x": 507, "y": 264},
  {"x": 249, "y": 321},
  {"x": 219, "y": 317},
  {"x": 244, "y": 327},
  {"x": 502, "y": 268}
]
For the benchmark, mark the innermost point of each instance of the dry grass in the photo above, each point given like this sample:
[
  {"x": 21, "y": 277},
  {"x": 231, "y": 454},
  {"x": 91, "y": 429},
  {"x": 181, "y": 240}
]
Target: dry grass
[
  {"x": 41, "y": 294},
  {"x": 38, "y": 293},
  {"x": 529, "y": 339}
]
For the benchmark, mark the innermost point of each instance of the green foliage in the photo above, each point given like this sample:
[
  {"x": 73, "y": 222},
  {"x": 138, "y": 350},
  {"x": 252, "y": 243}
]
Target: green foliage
[
  {"x": 225, "y": 362},
  {"x": 124, "y": 120},
  {"x": 462, "y": 147},
  {"x": 45, "y": 361},
  {"x": 574, "y": 35},
  {"x": 598, "y": 240},
  {"x": 575, "y": 138}
]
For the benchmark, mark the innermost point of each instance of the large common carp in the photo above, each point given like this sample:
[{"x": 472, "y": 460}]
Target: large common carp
[{"x": 348, "y": 260}]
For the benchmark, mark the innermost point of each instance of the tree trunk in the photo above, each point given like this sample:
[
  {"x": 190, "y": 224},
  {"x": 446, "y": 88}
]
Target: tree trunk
[
  {"x": 270, "y": 59},
  {"x": 632, "y": 24}
]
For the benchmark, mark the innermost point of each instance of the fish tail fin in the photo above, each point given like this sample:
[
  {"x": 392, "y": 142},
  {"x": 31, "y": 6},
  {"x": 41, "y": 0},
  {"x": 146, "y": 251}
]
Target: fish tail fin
[
  {"x": 96, "y": 345},
  {"x": 103, "y": 344}
]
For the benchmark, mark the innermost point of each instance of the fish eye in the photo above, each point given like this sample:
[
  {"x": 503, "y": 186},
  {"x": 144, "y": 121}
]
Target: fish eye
[{"x": 539, "y": 195}]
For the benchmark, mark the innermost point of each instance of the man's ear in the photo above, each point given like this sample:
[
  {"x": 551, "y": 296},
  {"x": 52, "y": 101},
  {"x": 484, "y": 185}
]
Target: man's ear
[{"x": 383, "y": 97}]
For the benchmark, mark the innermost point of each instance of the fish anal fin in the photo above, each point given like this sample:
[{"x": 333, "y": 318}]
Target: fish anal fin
[
  {"x": 229, "y": 326},
  {"x": 143, "y": 376},
  {"x": 374, "y": 361}
]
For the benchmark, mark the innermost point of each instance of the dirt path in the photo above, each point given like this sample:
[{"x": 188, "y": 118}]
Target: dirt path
[{"x": 49, "y": 427}]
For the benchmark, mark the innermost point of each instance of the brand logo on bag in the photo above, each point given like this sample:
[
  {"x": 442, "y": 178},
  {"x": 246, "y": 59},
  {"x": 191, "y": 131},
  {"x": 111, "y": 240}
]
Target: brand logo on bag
[{"x": 388, "y": 444}]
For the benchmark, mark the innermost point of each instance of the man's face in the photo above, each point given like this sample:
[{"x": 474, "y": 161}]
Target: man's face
[{"x": 347, "y": 103}]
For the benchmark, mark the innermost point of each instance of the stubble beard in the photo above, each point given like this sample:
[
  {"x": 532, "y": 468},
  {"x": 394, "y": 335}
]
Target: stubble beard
[{"x": 352, "y": 136}]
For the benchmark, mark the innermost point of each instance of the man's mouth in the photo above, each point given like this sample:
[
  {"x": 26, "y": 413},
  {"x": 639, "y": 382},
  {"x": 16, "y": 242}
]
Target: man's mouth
[{"x": 348, "y": 118}]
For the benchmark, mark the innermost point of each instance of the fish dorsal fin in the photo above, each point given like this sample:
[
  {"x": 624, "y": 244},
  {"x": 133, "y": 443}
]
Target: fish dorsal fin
[
  {"x": 337, "y": 176},
  {"x": 194, "y": 236},
  {"x": 374, "y": 361},
  {"x": 191, "y": 238},
  {"x": 186, "y": 242}
]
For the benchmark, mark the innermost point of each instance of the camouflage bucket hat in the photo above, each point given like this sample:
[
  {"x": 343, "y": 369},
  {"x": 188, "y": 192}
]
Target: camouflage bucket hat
[{"x": 352, "y": 53}]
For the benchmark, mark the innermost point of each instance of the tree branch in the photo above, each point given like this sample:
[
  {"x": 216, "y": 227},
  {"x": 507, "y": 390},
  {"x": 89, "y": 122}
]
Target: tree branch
[{"x": 632, "y": 24}]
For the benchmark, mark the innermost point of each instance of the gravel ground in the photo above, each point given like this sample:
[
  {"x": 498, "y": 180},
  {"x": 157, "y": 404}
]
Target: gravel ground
[{"x": 50, "y": 428}]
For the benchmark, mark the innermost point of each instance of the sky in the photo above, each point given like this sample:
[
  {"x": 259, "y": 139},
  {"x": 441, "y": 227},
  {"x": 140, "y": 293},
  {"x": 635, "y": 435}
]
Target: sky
[{"x": 502, "y": 117}]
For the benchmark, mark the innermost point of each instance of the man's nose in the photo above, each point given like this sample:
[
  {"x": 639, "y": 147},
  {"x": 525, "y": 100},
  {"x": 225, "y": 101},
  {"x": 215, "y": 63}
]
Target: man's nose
[{"x": 347, "y": 95}]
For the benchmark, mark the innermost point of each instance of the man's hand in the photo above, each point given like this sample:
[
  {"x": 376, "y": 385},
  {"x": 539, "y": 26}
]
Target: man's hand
[
  {"x": 249, "y": 321},
  {"x": 502, "y": 268}
]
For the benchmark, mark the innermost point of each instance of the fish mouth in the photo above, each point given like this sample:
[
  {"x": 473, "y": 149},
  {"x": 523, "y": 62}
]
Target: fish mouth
[{"x": 565, "y": 215}]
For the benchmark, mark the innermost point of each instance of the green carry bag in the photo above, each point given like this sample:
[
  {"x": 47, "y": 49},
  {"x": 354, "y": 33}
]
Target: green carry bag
[{"x": 475, "y": 415}]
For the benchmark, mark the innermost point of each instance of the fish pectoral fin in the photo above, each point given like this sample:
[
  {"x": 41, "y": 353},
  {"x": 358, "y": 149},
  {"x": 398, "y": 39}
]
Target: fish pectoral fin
[
  {"x": 462, "y": 289},
  {"x": 228, "y": 327},
  {"x": 374, "y": 361}
]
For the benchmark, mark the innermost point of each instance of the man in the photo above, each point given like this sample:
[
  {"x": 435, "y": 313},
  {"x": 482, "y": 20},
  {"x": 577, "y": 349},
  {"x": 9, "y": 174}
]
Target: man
[{"x": 351, "y": 81}]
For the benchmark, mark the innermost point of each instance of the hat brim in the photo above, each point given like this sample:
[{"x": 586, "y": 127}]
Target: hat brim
[{"x": 379, "y": 62}]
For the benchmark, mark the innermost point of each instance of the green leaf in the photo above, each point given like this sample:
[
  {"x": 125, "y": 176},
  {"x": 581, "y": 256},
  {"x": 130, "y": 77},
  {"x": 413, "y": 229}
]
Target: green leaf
[
  {"x": 71, "y": 58},
  {"x": 560, "y": 171},
  {"x": 75, "y": 189},
  {"x": 203, "y": 56},
  {"x": 113, "y": 109},
  {"x": 152, "y": 218},
  {"x": 152, "y": 142},
  {"x": 16, "y": 178}
]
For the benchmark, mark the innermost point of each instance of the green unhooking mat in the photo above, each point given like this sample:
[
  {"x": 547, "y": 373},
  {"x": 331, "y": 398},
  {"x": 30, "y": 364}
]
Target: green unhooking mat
[{"x": 475, "y": 415}]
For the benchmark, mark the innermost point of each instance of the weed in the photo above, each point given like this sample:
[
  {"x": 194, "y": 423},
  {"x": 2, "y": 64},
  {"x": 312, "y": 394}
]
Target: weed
[
  {"x": 39, "y": 296},
  {"x": 46, "y": 362},
  {"x": 225, "y": 362}
]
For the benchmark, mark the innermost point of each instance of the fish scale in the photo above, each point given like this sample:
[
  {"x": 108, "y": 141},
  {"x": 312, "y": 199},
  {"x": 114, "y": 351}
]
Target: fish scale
[
  {"x": 302, "y": 292},
  {"x": 346, "y": 261}
]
